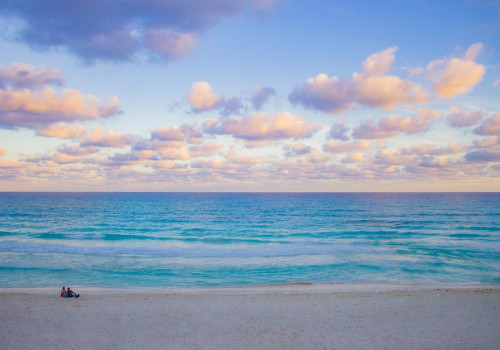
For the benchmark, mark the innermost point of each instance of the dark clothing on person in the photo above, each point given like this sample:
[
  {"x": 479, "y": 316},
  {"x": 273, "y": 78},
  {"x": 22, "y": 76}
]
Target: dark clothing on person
[{"x": 71, "y": 294}]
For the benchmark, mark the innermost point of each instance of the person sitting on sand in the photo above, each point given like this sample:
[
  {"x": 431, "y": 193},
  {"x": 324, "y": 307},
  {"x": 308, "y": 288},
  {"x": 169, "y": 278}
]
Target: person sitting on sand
[
  {"x": 63, "y": 293},
  {"x": 71, "y": 294}
]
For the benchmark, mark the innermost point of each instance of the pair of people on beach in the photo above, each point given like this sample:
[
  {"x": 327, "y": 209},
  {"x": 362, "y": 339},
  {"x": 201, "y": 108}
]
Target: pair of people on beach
[{"x": 68, "y": 293}]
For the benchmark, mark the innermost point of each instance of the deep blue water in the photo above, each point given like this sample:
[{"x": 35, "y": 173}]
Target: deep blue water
[{"x": 223, "y": 239}]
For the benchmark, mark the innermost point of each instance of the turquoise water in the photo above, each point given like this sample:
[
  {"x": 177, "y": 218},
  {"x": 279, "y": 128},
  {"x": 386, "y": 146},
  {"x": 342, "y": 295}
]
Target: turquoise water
[{"x": 228, "y": 239}]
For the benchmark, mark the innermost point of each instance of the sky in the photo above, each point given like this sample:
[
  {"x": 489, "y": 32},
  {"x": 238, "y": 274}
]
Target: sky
[{"x": 249, "y": 95}]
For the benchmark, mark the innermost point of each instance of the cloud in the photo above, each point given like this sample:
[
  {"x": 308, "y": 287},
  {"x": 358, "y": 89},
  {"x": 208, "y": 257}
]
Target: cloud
[
  {"x": 202, "y": 98},
  {"x": 487, "y": 142},
  {"x": 451, "y": 148},
  {"x": 387, "y": 92},
  {"x": 490, "y": 126},
  {"x": 120, "y": 31},
  {"x": 354, "y": 158},
  {"x": 62, "y": 131},
  {"x": 98, "y": 137},
  {"x": 35, "y": 109},
  {"x": 205, "y": 150},
  {"x": 192, "y": 133},
  {"x": 298, "y": 149},
  {"x": 258, "y": 127},
  {"x": 482, "y": 156},
  {"x": 389, "y": 157},
  {"x": 158, "y": 150},
  {"x": 459, "y": 118},
  {"x": 27, "y": 99},
  {"x": 456, "y": 76},
  {"x": 240, "y": 159},
  {"x": 332, "y": 95},
  {"x": 189, "y": 133},
  {"x": 473, "y": 51},
  {"x": 2, "y": 152},
  {"x": 346, "y": 147},
  {"x": 372, "y": 87},
  {"x": 379, "y": 63},
  {"x": 173, "y": 133},
  {"x": 232, "y": 106},
  {"x": 262, "y": 96},
  {"x": 78, "y": 150},
  {"x": 394, "y": 125},
  {"x": 20, "y": 76},
  {"x": 168, "y": 44},
  {"x": 338, "y": 131}
]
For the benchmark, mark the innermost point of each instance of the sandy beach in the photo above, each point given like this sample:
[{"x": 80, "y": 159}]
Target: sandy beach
[{"x": 286, "y": 317}]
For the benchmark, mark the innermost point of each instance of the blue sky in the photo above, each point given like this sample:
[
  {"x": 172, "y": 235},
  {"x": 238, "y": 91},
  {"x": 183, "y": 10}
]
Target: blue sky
[{"x": 246, "y": 95}]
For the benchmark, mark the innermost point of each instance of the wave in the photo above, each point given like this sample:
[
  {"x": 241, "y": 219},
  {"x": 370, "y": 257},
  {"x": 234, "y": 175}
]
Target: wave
[{"x": 187, "y": 249}]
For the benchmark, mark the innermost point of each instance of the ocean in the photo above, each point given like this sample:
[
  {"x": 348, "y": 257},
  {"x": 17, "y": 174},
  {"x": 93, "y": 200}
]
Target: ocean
[{"x": 237, "y": 239}]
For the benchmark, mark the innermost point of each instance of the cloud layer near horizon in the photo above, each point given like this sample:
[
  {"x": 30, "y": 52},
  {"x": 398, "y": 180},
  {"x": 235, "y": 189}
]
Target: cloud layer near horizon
[{"x": 245, "y": 144}]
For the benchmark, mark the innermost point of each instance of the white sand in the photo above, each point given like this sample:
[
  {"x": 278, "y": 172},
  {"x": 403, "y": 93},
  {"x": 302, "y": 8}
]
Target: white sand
[{"x": 285, "y": 317}]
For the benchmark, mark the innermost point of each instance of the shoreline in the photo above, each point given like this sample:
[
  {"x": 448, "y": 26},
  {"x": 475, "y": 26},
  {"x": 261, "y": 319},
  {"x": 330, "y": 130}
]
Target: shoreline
[{"x": 284, "y": 288}]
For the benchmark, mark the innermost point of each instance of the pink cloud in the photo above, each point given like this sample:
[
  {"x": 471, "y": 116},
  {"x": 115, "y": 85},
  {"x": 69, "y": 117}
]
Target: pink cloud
[
  {"x": 10, "y": 164},
  {"x": 394, "y": 125},
  {"x": 332, "y": 95},
  {"x": 192, "y": 133},
  {"x": 186, "y": 132},
  {"x": 262, "y": 127},
  {"x": 54, "y": 160},
  {"x": 34, "y": 109},
  {"x": 451, "y": 148},
  {"x": 62, "y": 131},
  {"x": 487, "y": 142},
  {"x": 212, "y": 164},
  {"x": 240, "y": 159},
  {"x": 389, "y": 157},
  {"x": 372, "y": 87},
  {"x": 379, "y": 63},
  {"x": 387, "y": 91},
  {"x": 345, "y": 147},
  {"x": 168, "y": 43},
  {"x": 27, "y": 99},
  {"x": 165, "y": 164},
  {"x": 456, "y": 76},
  {"x": 20, "y": 75},
  {"x": 202, "y": 97},
  {"x": 490, "y": 126},
  {"x": 205, "y": 150},
  {"x": 160, "y": 145},
  {"x": 354, "y": 158},
  {"x": 459, "y": 118},
  {"x": 78, "y": 150},
  {"x": 2, "y": 152},
  {"x": 98, "y": 137},
  {"x": 173, "y": 133},
  {"x": 175, "y": 153}
]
